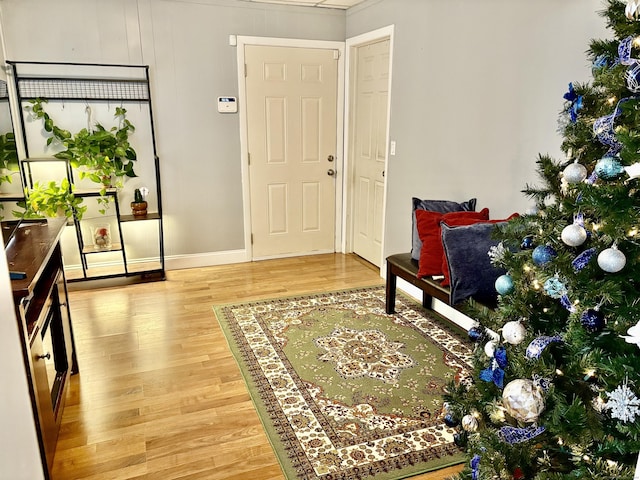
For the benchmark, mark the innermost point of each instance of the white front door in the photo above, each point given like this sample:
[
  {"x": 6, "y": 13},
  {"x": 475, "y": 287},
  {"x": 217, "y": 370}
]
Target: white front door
[
  {"x": 291, "y": 104},
  {"x": 369, "y": 134}
]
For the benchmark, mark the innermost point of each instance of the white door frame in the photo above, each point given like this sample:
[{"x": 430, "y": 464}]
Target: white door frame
[
  {"x": 242, "y": 41},
  {"x": 347, "y": 202}
]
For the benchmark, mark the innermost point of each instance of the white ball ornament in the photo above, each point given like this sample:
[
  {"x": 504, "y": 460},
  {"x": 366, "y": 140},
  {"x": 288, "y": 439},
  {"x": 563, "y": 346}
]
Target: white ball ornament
[
  {"x": 575, "y": 173},
  {"x": 513, "y": 332},
  {"x": 523, "y": 400},
  {"x": 612, "y": 260},
  {"x": 490, "y": 348},
  {"x": 469, "y": 423},
  {"x": 574, "y": 235}
]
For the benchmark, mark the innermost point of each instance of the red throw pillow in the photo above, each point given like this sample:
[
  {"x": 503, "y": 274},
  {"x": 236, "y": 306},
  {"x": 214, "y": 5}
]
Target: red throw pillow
[
  {"x": 432, "y": 251},
  {"x": 460, "y": 222}
]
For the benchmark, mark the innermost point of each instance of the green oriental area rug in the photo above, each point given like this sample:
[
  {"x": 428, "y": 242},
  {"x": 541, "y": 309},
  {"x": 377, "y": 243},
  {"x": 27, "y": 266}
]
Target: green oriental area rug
[{"x": 344, "y": 390}]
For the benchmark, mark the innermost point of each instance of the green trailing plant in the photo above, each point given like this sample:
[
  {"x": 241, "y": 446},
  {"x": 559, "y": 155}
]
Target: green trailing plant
[
  {"x": 102, "y": 155},
  {"x": 8, "y": 160},
  {"x": 51, "y": 200},
  {"x": 8, "y": 157}
]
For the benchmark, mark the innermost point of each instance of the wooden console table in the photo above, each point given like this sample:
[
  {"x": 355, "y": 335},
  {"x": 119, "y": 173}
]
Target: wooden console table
[{"x": 45, "y": 325}]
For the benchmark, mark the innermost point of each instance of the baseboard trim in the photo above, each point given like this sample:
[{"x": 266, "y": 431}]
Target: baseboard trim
[{"x": 179, "y": 262}]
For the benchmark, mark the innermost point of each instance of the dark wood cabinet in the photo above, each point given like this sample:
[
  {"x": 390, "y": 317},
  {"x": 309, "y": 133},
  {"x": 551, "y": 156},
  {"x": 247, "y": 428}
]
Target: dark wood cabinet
[{"x": 45, "y": 324}]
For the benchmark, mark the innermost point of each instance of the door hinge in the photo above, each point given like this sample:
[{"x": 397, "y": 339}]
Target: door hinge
[
  {"x": 252, "y": 239},
  {"x": 336, "y": 54},
  {"x": 245, "y": 70},
  {"x": 248, "y": 158}
]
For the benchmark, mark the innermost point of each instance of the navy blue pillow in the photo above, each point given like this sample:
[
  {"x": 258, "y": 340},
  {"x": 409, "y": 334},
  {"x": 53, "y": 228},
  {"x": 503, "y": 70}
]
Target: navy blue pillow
[
  {"x": 441, "y": 206},
  {"x": 470, "y": 269}
]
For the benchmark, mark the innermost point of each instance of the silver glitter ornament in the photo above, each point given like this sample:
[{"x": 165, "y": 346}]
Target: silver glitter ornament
[
  {"x": 612, "y": 260},
  {"x": 574, "y": 235},
  {"x": 575, "y": 173}
]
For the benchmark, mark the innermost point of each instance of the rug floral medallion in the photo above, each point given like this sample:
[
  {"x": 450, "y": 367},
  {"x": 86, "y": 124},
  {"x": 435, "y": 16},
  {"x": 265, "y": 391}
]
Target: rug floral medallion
[{"x": 344, "y": 390}]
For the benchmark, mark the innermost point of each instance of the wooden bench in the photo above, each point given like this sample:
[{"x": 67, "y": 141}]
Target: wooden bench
[{"x": 403, "y": 266}]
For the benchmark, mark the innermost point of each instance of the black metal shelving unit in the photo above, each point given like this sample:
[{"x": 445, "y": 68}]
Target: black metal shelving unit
[{"x": 92, "y": 82}]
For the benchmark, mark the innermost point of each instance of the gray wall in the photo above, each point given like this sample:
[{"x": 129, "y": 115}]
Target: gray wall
[
  {"x": 186, "y": 44},
  {"x": 477, "y": 87}
]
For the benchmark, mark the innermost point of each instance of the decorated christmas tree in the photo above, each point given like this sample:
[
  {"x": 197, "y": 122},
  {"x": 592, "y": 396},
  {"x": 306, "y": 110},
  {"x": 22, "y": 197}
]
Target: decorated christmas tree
[{"x": 555, "y": 389}]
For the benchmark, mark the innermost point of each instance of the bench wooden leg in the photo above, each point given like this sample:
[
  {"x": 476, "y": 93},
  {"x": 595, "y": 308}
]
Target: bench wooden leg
[
  {"x": 427, "y": 300},
  {"x": 390, "y": 305}
]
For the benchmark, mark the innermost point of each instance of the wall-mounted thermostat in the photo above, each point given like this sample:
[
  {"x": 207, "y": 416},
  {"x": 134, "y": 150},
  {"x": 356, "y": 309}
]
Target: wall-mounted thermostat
[{"x": 227, "y": 105}]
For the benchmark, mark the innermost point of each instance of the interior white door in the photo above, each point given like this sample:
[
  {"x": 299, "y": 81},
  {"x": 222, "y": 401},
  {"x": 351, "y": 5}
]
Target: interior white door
[
  {"x": 291, "y": 103},
  {"x": 369, "y": 133}
]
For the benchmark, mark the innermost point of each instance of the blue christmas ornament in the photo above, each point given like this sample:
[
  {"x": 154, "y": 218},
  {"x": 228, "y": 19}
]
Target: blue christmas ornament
[
  {"x": 475, "y": 334},
  {"x": 592, "y": 320},
  {"x": 583, "y": 259},
  {"x": 555, "y": 288},
  {"x": 460, "y": 439},
  {"x": 504, "y": 284},
  {"x": 608, "y": 168},
  {"x": 450, "y": 420},
  {"x": 543, "y": 254},
  {"x": 527, "y": 243}
]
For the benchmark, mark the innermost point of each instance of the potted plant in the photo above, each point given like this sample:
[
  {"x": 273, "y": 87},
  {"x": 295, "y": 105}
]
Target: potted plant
[
  {"x": 52, "y": 200},
  {"x": 139, "y": 204},
  {"x": 104, "y": 156}
]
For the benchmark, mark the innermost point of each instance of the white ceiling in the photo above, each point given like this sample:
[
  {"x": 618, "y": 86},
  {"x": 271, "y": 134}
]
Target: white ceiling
[{"x": 343, "y": 4}]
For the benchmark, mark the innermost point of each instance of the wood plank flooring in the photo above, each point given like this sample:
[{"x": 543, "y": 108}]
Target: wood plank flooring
[{"x": 159, "y": 395}]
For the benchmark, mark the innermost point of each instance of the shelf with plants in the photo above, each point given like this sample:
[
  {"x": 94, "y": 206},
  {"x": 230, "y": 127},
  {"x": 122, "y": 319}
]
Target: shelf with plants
[
  {"x": 10, "y": 186},
  {"x": 96, "y": 122}
]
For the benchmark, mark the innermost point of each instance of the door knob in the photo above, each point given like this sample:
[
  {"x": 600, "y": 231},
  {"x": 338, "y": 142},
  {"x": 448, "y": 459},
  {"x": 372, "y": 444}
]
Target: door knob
[
  {"x": 331, "y": 172},
  {"x": 330, "y": 158},
  {"x": 44, "y": 357}
]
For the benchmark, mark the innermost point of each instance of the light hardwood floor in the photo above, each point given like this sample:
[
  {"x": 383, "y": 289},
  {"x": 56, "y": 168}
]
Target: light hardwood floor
[{"x": 159, "y": 395}]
